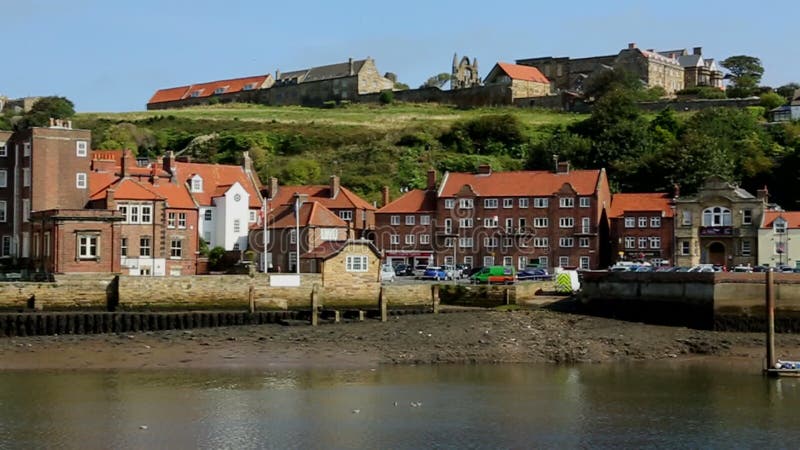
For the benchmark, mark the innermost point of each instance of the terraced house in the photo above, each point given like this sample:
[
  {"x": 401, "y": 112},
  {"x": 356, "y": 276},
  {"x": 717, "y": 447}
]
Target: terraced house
[{"x": 642, "y": 227}]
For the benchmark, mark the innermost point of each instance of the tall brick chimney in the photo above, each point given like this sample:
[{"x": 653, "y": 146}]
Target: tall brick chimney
[
  {"x": 562, "y": 167},
  {"x": 385, "y": 196},
  {"x": 431, "y": 180},
  {"x": 170, "y": 167},
  {"x": 334, "y": 186},
  {"x": 273, "y": 187},
  {"x": 484, "y": 169},
  {"x": 154, "y": 173},
  {"x": 762, "y": 194},
  {"x": 632, "y": 46},
  {"x": 126, "y": 163}
]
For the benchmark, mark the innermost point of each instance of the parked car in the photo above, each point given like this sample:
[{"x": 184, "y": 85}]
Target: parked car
[
  {"x": 419, "y": 270},
  {"x": 472, "y": 271},
  {"x": 452, "y": 272},
  {"x": 464, "y": 269},
  {"x": 742, "y": 269},
  {"x": 681, "y": 269},
  {"x": 403, "y": 270},
  {"x": 703, "y": 268},
  {"x": 784, "y": 269},
  {"x": 387, "y": 273},
  {"x": 533, "y": 273},
  {"x": 495, "y": 275},
  {"x": 434, "y": 273}
]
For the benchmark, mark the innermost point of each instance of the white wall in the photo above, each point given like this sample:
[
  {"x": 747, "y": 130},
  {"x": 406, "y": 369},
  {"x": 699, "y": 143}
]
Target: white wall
[
  {"x": 766, "y": 247},
  {"x": 228, "y": 210}
]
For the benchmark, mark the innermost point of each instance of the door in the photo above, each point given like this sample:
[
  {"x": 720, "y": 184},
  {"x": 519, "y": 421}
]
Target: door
[{"x": 716, "y": 253}]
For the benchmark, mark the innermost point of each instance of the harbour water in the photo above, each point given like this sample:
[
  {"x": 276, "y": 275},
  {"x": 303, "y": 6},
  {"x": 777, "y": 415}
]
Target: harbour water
[{"x": 676, "y": 405}]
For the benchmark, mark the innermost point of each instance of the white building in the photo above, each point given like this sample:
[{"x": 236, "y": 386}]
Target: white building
[{"x": 779, "y": 239}]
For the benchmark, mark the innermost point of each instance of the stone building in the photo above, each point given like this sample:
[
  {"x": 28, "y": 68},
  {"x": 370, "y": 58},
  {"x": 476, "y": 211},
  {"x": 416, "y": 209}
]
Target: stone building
[
  {"x": 464, "y": 74},
  {"x": 523, "y": 81},
  {"x": 779, "y": 239},
  {"x": 697, "y": 70},
  {"x": 343, "y": 265},
  {"x": 719, "y": 225},
  {"x": 642, "y": 227}
]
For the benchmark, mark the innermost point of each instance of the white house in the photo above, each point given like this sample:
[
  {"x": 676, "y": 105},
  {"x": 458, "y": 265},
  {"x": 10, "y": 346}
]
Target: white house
[{"x": 779, "y": 239}]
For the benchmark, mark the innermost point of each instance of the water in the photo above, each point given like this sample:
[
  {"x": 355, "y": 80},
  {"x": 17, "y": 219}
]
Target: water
[{"x": 679, "y": 405}]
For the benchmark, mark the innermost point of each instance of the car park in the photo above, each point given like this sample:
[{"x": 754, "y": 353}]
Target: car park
[
  {"x": 403, "y": 270},
  {"x": 387, "y": 273},
  {"x": 419, "y": 270},
  {"x": 452, "y": 272}
]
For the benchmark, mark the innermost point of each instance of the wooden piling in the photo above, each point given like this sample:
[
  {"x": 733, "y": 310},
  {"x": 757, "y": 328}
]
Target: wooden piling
[
  {"x": 435, "y": 298},
  {"x": 382, "y": 304},
  {"x": 315, "y": 306},
  {"x": 251, "y": 297},
  {"x": 770, "y": 299}
]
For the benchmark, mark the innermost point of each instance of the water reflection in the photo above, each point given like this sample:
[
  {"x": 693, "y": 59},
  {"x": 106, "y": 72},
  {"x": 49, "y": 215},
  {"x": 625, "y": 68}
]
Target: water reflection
[{"x": 676, "y": 405}]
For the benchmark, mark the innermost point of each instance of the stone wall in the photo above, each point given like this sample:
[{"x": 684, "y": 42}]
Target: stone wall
[
  {"x": 468, "y": 97},
  {"x": 87, "y": 292}
]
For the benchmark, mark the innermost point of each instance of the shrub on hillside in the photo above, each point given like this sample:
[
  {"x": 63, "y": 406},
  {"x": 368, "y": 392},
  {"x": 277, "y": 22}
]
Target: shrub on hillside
[{"x": 386, "y": 97}]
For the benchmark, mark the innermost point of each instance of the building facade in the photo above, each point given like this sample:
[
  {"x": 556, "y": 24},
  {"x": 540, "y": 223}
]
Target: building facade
[
  {"x": 642, "y": 228},
  {"x": 524, "y": 81},
  {"x": 779, "y": 239}
]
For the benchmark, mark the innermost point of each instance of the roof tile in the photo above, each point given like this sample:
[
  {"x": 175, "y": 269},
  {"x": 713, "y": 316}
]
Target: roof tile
[
  {"x": 651, "y": 201},
  {"x": 520, "y": 183}
]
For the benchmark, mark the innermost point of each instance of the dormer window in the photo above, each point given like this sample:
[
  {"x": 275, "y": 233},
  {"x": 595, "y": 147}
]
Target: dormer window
[
  {"x": 196, "y": 184},
  {"x": 779, "y": 225},
  {"x": 220, "y": 90},
  {"x": 196, "y": 93},
  {"x": 249, "y": 87}
]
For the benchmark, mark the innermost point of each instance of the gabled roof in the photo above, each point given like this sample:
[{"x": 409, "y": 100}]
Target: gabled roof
[
  {"x": 651, "y": 201},
  {"x": 311, "y": 214},
  {"x": 330, "y": 249},
  {"x": 209, "y": 89},
  {"x": 127, "y": 189},
  {"x": 792, "y": 218},
  {"x": 520, "y": 183},
  {"x": 331, "y": 71},
  {"x": 169, "y": 94},
  {"x": 518, "y": 72},
  {"x": 346, "y": 199},
  {"x": 414, "y": 201},
  {"x": 215, "y": 176}
]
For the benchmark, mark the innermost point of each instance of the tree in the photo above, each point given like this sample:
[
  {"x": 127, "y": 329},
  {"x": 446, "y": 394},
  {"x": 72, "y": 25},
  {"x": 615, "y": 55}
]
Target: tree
[
  {"x": 771, "y": 100},
  {"x": 605, "y": 81},
  {"x": 437, "y": 80},
  {"x": 745, "y": 72},
  {"x": 45, "y": 109},
  {"x": 787, "y": 90}
]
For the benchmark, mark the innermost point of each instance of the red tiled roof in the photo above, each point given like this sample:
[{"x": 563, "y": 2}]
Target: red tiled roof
[
  {"x": 311, "y": 214},
  {"x": 127, "y": 189},
  {"x": 216, "y": 176},
  {"x": 792, "y": 218},
  {"x": 332, "y": 248},
  {"x": 417, "y": 200},
  {"x": 345, "y": 199},
  {"x": 651, "y": 201},
  {"x": 169, "y": 94},
  {"x": 520, "y": 183},
  {"x": 99, "y": 181},
  {"x": 177, "y": 195},
  {"x": 525, "y": 73},
  {"x": 207, "y": 89}
]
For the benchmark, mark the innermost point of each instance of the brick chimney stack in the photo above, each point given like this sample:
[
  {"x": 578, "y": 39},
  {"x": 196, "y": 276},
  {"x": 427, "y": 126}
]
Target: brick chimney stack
[
  {"x": 385, "y": 196},
  {"x": 484, "y": 169},
  {"x": 563, "y": 167},
  {"x": 762, "y": 194},
  {"x": 126, "y": 163},
  {"x": 632, "y": 46},
  {"x": 154, "y": 173},
  {"x": 334, "y": 186},
  {"x": 350, "y": 63},
  {"x": 273, "y": 187},
  {"x": 431, "y": 180}
]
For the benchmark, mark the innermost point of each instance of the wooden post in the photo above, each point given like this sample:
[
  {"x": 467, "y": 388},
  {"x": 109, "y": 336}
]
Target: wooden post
[
  {"x": 382, "y": 305},
  {"x": 337, "y": 316},
  {"x": 506, "y": 297},
  {"x": 435, "y": 298},
  {"x": 315, "y": 305},
  {"x": 251, "y": 297},
  {"x": 770, "y": 294}
]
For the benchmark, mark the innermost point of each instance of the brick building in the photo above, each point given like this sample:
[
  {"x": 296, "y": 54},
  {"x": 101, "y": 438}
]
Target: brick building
[
  {"x": 642, "y": 227},
  {"x": 524, "y": 217},
  {"x": 404, "y": 228}
]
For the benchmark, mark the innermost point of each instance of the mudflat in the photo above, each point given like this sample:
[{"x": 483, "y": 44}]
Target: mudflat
[{"x": 523, "y": 336}]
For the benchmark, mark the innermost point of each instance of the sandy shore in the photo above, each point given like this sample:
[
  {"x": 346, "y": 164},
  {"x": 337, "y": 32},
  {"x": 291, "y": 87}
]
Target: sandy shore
[{"x": 528, "y": 336}]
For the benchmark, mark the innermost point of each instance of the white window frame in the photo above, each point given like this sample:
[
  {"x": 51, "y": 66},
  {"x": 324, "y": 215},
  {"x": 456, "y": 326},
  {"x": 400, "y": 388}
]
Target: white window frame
[
  {"x": 508, "y": 242},
  {"x": 746, "y": 247},
  {"x": 490, "y": 203},
  {"x": 566, "y": 222},
  {"x": 630, "y": 242},
  {"x": 425, "y": 220},
  {"x": 747, "y": 217},
  {"x": 346, "y": 215},
  {"x": 522, "y": 262},
  {"x": 466, "y": 222},
  {"x": 541, "y": 202},
  {"x": 655, "y": 241},
  {"x": 566, "y": 242},
  {"x": 26, "y": 176},
  {"x": 642, "y": 222},
  {"x": 81, "y": 181},
  {"x": 642, "y": 242},
  {"x": 508, "y": 261},
  {"x": 5, "y": 246},
  {"x": 490, "y": 242},
  {"x": 394, "y": 239},
  {"x": 394, "y": 220},
  {"x": 149, "y": 246},
  {"x": 541, "y": 222},
  {"x": 253, "y": 217},
  {"x": 585, "y": 261},
  {"x": 585, "y": 202},
  {"x": 424, "y": 239},
  {"x": 584, "y": 242},
  {"x": 717, "y": 216},
  {"x": 26, "y": 148},
  {"x": 449, "y": 203},
  {"x": 88, "y": 246},
  {"x": 686, "y": 217},
  {"x": 411, "y": 220},
  {"x": 566, "y": 202},
  {"x": 172, "y": 219},
  {"x": 182, "y": 220},
  {"x": 490, "y": 222},
  {"x": 123, "y": 246},
  {"x": 586, "y": 225},
  {"x": 3, "y": 178},
  {"x": 541, "y": 242},
  {"x": 3, "y": 211},
  {"x": 411, "y": 239},
  {"x": 196, "y": 184},
  {"x": 449, "y": 242},
  {"x": 466, "y": 203},
  {"x": 3, "y": 149},
  {"x": 176, "y": 248},
  {"x": 523, "y": 202},
  {"x": 563, "y": 261},
  {"x": 26, "y": 210},
  {"x": 630, "y": 222},
  {"x": 81, "y": 149},
  {"x": 685, "y": 248},
  {"x": 356, "y": 263},
  {"x": 655, "y": 222},
  {"x": 779, "y": 226},
  {"x": 465, "y": 242},
  {"x": 292, "y": 236},
  {"x": 508, "y": 203}
]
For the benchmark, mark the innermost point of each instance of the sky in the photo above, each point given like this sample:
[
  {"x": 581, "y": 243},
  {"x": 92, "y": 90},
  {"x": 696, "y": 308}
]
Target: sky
[{"x": 111, "y": 56}]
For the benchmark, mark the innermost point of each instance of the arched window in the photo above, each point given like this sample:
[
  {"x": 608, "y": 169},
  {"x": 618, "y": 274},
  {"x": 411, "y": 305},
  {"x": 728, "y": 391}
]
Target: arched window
[{"x": 716, "y": 216}]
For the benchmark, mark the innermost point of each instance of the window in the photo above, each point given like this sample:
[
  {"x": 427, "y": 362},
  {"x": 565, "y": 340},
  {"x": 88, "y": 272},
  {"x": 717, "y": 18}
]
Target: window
[
  {"x": 411, "y": 239},
  {"x": 394, "y": 239},
  {"x": 329, "y": 234},
  {"x": 26, "y": 149},
  {"x": 541, "y": 222},
  {"x": 448, "y": 260},
  {"x": 642, "y": 222},
  {"x": 87, "y": 246},
  {"x": 292, "y": 236},
  {"x": 346, "y": 215},
  {"x": 544, "y": 261},
  {"x": 630, "y": 222},
  {"x": 583, "y": 242},
  {"x": 779, "y": 225},
  {"x": 197, "y": 184},
  {"x": 448, "y": 226},
  {"x": 3, "y": 207},
  {"x": 3, "y": 149},
  {"x": 146, "y": 214},
  {"x": 5, "y": 248},
  {"x": 584, "y": 262},
  {"x": 509, "y": 225},
  {"x": 253, "y": 217},
  {"x": 522, "y": 261},
  {"x": 523, "y": 203},
  {"x": 207, "y": 215},
  {"x": 26, "y": 209},
  {"x": 249, "y": 87},
  {"x": 356, "y": 263},
  {"x": 490, "y": 222},
  {"x": 3, "y": 178},
  {"x": 196, "y": 94},
  {"x": 220, "y": 90},
  {"x": 655, "y": 242},
  {"x": 488, "y": 261},
  {"x": 46, "y": 244},
  {"x": 508, "y": 261},
  {"x": 566, "y": 222},
  {"x": 655, "y": 222},
  {"x": 566, "y": 202},
  {"x": 81, "y": 149},
  {"x": 424, "y": 239},
  {"x": 630, "y": 242},
  {"x": 684, "y": 248},
  {"x": 586, "y": 225},
  {"x": 508, "y": 203},
  {"x": 746, "y": 248},
  {"x": 171, "y": 219},
  {"x": 465, "y": 242},
  {"x": 80, "y": 180},
  {"x": 410, "y": 220},
  {"x": 490, "y": 203},
  {"x": 144, "y": 246},
  {"x": 508, "y": 242},
  {"x": 449, "y": 203},
  {"x": 716, "y": 217},
  {"x": 642, "y": 242},
  {"x": 563, "y": 261},
  {"x": 541, "y": 242},
  {"x": 686, "y": 218},
  {"x": 182, "y": 219},
  {"x": 175, "y": 248},
  {"x": 585, "y": 202},
  {"x": 449, "y": 242},
  {"x": 566, "y": 242},
  {"x": 26, "y": 176},
  {"x": 541, "y": 202},
  {"x": 35, "y": 245},
  {"x": 490, "y": 242},
  {"x": 468, "y": 260},
  {"x": 522, "y": 223},
  {"x": 394, "y": 220},
  {"x": 424, "y": 220},
  {"x": 123, "y": 246},
  {"x": 465, "y": 203},
  {"x": 465, "y": 223},
  {"x": 747, "y": 217}
]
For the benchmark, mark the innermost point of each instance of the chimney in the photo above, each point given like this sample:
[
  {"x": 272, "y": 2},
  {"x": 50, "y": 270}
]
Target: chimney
[
  {"x": 154, "y": 173},
  {"x": 632, "y": 46},
  {"x": 431, "y": 180},
  {"x": 52, "y": 122},
  {"x": 334, "y": 186},
  {"x": 126, "y": 163},
  {"x": 762, "y": 194},
  {"x": 170, "y": 167},
  {"x": 385, "y": 196},
  {"x": 277, "y": 74},
  {"x": 110, "y": 199},
  {"x": 697, "y": 51},
  {"x": 350, "y": 63},
  {"x": 484, "y": 169},
  {"x": 562, "y": 167},
  {"x": 676, "y": 190},
  {"x": 273, "y": 187},
  {"x": 247, "y": 163}
]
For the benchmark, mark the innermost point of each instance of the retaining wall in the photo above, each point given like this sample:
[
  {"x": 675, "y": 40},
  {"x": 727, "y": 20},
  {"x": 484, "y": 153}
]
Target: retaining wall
[{"x": 86, "y": 292}]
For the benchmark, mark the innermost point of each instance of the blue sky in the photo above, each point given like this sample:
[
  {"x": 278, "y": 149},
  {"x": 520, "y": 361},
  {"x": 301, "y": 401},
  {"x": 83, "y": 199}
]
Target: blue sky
[{"x": 112, "y": 55}]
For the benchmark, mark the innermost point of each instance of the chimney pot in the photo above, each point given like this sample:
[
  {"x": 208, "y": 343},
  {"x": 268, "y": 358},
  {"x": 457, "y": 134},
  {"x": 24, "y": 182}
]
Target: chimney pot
[
  {"x": 385, "y": 196},
  {"x": 697, "y": 51},
  {"x": 632, "y": 46},
  {"x": 431, "y": 180}
]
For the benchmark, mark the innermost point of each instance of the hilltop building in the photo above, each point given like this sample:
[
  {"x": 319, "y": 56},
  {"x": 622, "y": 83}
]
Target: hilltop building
[{"x": 523, "y": 81}]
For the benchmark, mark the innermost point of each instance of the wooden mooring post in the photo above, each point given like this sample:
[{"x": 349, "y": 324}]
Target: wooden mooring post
[
  {"x": 770, "y": 300},
  {"x": 382, "y": 304},
  {"x": 315, "y": 305},
  {"x": 435, "y": 298}
]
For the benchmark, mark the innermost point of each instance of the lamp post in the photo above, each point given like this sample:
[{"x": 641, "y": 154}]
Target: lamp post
[{"x": 298, "y": 202}]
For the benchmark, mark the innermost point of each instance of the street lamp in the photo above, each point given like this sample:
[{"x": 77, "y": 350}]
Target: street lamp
[{"x": 298, "y": 202}]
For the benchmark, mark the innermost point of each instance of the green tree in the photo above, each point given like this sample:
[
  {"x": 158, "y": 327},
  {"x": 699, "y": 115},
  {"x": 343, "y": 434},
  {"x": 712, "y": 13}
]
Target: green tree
[
  {"x": 44, "y": 109},
  {"x": 301, "y": 171},
  {"x": 771, "y": 100},
  {"x": 745, "y": 72},
  {"x": 787, "y": 90},
  {"x": 606, "y": 81}
]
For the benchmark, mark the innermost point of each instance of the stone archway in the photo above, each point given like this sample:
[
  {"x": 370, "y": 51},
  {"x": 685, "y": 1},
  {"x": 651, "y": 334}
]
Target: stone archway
[{"x": 716, "y": 253}]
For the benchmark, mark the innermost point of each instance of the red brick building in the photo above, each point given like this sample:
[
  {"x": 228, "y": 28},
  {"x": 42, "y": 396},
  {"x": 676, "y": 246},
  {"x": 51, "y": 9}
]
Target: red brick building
[
  {"x": 642, "y": 227},
  {"x": 524, "y": 217}
]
